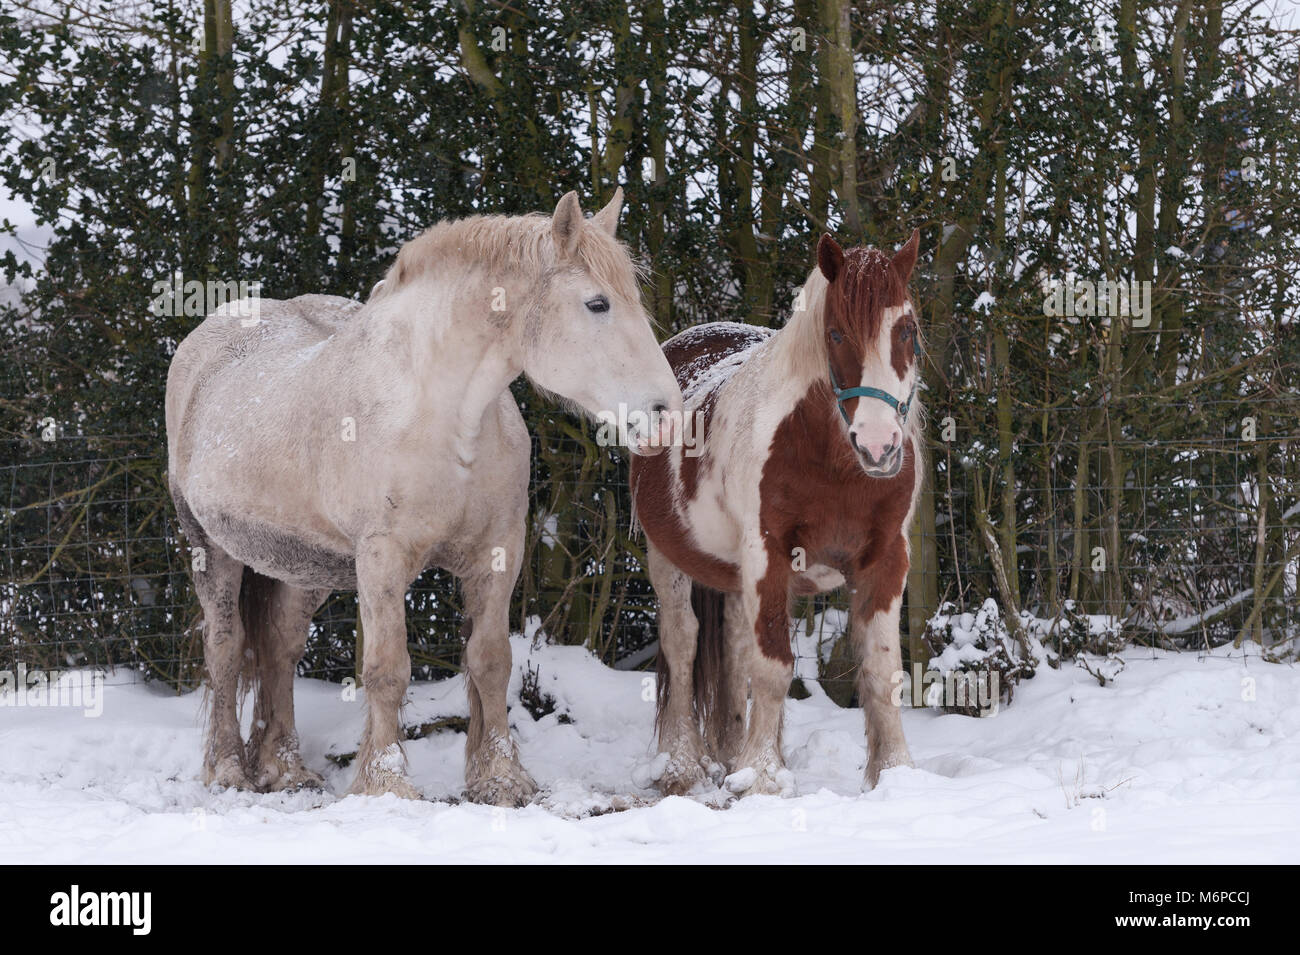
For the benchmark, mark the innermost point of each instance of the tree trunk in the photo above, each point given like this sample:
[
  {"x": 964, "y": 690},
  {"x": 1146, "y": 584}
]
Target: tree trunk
[
  {"x": 841, "y": 83},
  {"x": 657, "y": 134}
]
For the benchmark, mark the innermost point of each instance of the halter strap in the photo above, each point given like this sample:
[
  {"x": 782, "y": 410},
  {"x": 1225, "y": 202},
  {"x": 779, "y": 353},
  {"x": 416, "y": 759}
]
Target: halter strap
[{"x": 862, "y": 391}]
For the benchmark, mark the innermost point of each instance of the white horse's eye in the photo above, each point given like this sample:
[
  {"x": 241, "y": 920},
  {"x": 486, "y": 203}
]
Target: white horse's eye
[{"x": 598, "y": 304}]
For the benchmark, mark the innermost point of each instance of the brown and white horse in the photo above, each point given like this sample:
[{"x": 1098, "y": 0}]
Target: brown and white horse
[{"x": 803, "y": 477}]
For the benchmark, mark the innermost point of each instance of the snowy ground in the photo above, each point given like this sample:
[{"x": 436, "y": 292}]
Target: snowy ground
[{"x": 1186, "y": 758}]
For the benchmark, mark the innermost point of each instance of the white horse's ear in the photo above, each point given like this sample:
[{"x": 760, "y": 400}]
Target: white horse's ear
[
  {"x": 905, "y": 258},
  {"x": 830, "y": 257},
  {"x": 566, "y": 225},
  {"x": 607, "y": 218}
]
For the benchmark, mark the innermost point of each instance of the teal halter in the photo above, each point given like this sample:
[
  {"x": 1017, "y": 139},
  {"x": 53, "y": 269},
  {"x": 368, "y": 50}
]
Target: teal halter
[{"x": 862, "y": 391}]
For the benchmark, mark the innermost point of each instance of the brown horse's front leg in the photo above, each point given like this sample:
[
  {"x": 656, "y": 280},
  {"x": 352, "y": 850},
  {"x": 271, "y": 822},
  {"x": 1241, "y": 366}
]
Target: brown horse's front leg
[
  {"x": 760, "y": 767},
  {"x": 682, "y": 749},
  {"x": 739, "y": 647},
  {"x": 878, "y": 598}
]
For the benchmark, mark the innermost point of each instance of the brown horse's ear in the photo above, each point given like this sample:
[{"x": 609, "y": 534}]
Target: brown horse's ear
[
  {"x": 830, "y": 257},
  {"x": 905, "y": 258},
  {"x": 566, "y": 225},
  {"x": 607, "y": 218}
]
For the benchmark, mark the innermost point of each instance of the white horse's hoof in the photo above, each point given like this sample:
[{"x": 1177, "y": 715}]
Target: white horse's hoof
[
  {"x": 287, "y": 774},
  {"x": 228, "y": 774},
  {"x": 494, "y": 776},
  {"x": 509, "y": 791},
  {"x": 877, "y": 766},
  {"x": 384, "y": 773},
  {"x": 382, "y": 783}
]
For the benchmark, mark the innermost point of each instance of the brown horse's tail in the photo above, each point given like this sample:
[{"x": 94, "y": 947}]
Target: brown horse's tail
[
  {"x": 707, "y": 678},
  {"x": 255, "y": 592}
]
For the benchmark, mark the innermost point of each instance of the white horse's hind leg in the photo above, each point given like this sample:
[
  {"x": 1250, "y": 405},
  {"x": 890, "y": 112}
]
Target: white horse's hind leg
[
  {"x": 223, "y": 658},
  {"x": 272, "y": 755},
  {"x": 678, "y": 723},
  {"x": 217, "y": 585},
  {"x": 382, "y": 579},
  {"x": 493, "y": 772}
]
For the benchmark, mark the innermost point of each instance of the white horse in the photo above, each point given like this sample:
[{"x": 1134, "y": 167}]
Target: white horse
[{"x": 325, "y": 444}]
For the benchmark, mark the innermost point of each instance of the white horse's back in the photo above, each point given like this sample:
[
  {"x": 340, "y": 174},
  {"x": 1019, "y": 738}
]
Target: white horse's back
[
  {"x": 241, "y": 363},
  {"x": 238, "y": 329}
]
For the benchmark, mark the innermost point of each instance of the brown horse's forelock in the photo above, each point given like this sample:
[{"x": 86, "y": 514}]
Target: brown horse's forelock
[{"x": 857, "y": 299}]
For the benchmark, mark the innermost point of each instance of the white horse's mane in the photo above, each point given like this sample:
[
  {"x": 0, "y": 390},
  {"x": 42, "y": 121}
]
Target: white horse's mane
[{"x": 521, "y": 243}]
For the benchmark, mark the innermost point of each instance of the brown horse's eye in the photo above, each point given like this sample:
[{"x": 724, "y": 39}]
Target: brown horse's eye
[{"x": 836, "y": 337}]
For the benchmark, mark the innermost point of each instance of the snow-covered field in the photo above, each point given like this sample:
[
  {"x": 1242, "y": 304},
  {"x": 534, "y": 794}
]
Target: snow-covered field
[{"x": 1186, "y": 758}]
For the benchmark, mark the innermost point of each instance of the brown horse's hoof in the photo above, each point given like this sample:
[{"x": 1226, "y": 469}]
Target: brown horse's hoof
[
  {"x": 772, "y": 779},
  {"x": 683, "y": 774}
]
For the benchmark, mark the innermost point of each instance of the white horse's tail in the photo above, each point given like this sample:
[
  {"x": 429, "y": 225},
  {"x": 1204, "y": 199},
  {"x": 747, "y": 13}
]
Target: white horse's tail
[{"x": 255, "y": 592}]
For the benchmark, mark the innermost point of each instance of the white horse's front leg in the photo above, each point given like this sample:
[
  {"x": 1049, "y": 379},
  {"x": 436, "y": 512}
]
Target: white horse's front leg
[
  {"x": 493, "y": 772},
  {"x": 875, "y": 635},
  {"x": 382, "y": 579}
]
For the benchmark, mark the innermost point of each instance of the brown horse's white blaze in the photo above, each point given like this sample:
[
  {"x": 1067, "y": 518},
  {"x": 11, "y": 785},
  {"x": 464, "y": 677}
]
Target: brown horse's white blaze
[{"x": 793, "y": 491}]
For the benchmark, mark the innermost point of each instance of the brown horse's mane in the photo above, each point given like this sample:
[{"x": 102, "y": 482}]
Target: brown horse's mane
[{"x": 867, "y": 287}]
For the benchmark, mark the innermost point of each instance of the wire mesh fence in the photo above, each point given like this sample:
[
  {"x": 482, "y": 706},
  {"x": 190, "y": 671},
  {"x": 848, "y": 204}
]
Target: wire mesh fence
[
  {"x": 95, "y": 570},
  {"x": 1199, "y": 544}
]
